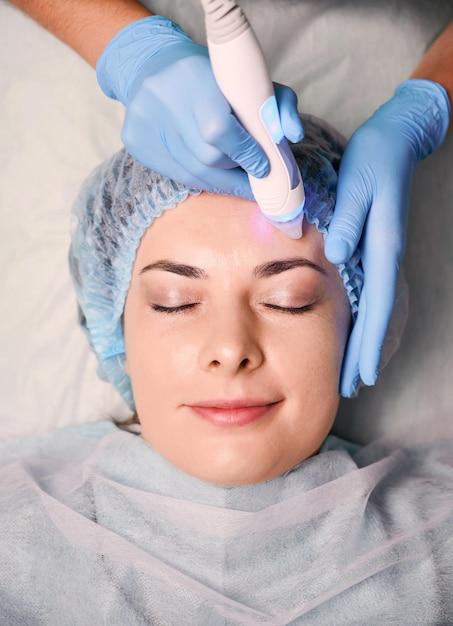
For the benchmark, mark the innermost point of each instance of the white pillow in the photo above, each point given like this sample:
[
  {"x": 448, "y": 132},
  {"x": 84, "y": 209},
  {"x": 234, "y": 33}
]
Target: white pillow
[{"x": 56, "y": 125}]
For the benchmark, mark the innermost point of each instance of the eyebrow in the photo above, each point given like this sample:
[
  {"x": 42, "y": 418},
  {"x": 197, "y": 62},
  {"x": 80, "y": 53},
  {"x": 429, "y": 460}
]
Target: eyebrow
[
  {"x": 283, "y": 265},
  {"x": 261, "y": 271},
  {"x": 189, "y": 271}
]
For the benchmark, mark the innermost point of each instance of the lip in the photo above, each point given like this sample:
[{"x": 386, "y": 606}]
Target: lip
[{"x": 230, "y": 413}]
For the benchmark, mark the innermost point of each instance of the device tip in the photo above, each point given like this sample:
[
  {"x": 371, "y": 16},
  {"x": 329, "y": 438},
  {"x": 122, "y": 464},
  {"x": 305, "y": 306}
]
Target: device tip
[{"x": 293, "y": 228}]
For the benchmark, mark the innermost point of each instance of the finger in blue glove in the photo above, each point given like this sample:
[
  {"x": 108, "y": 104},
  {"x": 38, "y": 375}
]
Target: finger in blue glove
[{"x": 371, "y": 210}]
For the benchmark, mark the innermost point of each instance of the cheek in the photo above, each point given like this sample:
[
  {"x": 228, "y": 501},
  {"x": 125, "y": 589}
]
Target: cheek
[
  {"x": 156, "y": 357},
  {"x": 312, "y": 359}
]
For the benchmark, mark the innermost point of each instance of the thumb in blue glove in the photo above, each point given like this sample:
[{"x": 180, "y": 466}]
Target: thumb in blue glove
[
  {"x": 177, "y": 121},
  {"x": 372, "y": 208}
]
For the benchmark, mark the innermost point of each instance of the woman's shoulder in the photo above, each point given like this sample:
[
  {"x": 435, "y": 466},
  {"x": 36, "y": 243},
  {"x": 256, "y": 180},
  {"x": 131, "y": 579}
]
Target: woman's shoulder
[{"x": 69, "y": 444}]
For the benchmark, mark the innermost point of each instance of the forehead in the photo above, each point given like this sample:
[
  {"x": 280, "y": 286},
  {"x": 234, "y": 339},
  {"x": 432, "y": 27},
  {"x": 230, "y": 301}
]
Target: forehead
[{"x": 213, "y": 228}]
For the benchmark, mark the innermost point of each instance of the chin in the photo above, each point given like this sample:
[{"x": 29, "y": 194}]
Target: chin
[{"x": 244, "y": 472}]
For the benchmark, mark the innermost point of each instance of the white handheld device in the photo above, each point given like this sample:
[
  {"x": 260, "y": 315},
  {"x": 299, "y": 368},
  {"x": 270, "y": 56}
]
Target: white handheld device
[{"x": 241, "y": 73}]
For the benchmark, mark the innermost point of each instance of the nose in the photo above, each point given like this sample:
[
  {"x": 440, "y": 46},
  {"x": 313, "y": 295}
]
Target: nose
[{"x": 231, "y": 343}]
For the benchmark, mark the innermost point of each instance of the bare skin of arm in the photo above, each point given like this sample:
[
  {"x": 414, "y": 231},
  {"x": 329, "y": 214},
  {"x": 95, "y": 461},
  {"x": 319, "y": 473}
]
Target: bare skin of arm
[
  {"x": 437, "y": 64},
  {"x": 85, "y": 25}
]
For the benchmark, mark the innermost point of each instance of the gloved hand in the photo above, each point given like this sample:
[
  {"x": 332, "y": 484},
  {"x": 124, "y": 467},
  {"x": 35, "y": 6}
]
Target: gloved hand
[
  {"x": 372, "y": 208},
  {"x": 177, "y": 121}
]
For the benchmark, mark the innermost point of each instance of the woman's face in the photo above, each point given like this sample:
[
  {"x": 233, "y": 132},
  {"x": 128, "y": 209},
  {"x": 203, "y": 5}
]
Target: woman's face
[{"x": 234, "y": 340}]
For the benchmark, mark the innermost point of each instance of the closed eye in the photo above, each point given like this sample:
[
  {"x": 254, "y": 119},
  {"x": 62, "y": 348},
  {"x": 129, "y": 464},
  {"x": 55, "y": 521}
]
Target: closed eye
[
  {"x": 173, "y": 309},
  {"x": 290, "y": 309},
  {"x": 159, "y": 308}
]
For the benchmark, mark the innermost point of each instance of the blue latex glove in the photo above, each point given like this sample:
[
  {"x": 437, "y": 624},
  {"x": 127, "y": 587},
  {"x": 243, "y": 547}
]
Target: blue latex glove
[
  {"x": 372, "y": 208},
  {"x": 177, "y": 121}
]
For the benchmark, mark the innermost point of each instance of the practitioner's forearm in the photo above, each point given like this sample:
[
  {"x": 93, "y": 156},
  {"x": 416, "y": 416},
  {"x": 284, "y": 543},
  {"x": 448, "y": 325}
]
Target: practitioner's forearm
[
  {"x": 437, "y": 64},
  {"x": 85, "y": 25}
]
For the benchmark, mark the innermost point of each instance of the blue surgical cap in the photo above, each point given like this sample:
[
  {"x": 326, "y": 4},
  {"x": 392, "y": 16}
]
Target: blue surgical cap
[{"x": 121, "y": 199}]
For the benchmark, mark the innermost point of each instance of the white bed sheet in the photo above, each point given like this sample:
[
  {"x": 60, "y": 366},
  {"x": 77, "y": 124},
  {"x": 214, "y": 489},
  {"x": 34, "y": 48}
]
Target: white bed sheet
[
  {"x": 55, "y": 126},
  {"x": 344, "y": 59}
]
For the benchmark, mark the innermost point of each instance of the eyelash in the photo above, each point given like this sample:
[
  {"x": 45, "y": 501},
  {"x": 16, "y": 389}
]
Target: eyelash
[
  {"x": 292, "y": 310},
  {"x": 173, "y": 309},
  {"x": 184, "y": 307}
]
